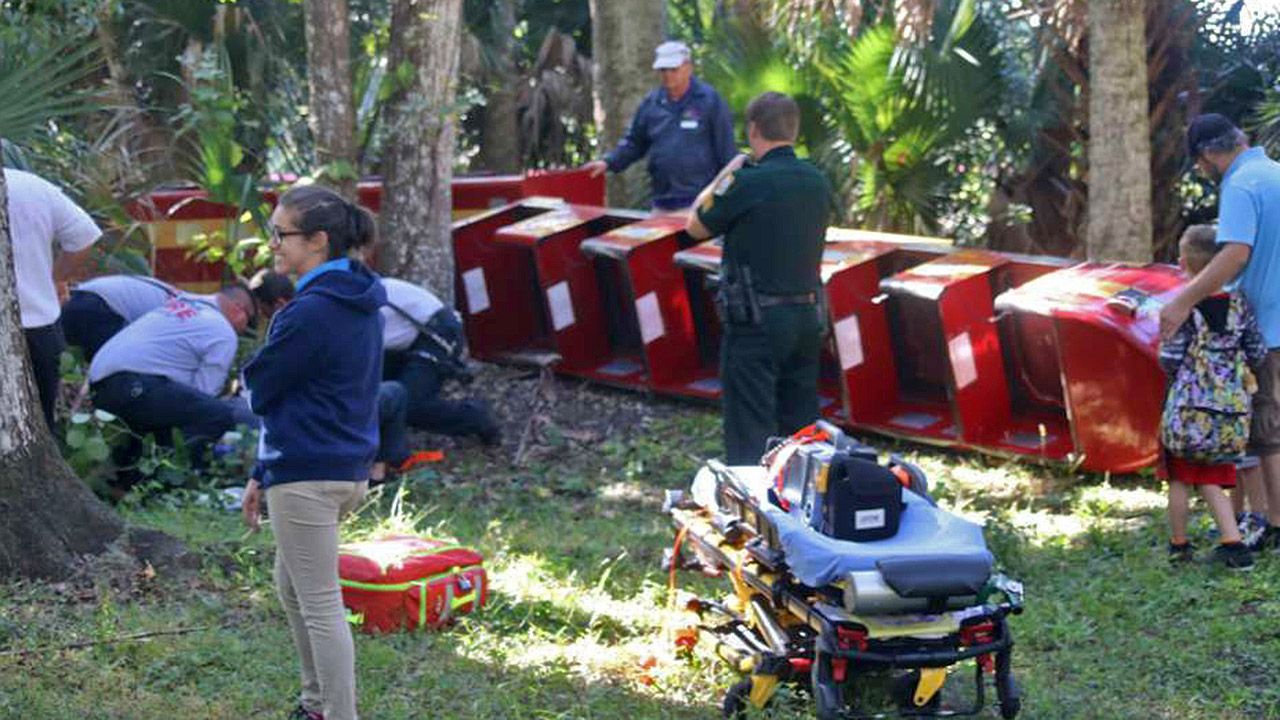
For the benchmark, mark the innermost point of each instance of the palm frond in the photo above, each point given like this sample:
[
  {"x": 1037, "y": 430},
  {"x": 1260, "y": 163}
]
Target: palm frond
[
  {"x": 901, "y": 107},
  {"x": 46, "y": 84}
]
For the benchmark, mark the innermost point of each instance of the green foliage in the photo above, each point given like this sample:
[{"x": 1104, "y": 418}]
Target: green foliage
[
  {"x": 54, "y": 80},
  {"x": 898, "y": 110},
  {"x": 740, "y": 60},
  {"x": 218, "y": 163},
  {"x": 88, "y": 441}
]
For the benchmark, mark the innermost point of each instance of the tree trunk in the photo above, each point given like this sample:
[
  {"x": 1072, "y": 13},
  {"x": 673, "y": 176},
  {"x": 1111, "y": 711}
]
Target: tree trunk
[
  {"x": 48, "y": 518},
  {"x": 418, "y": 164},
  {"x": 500, "y": 136},
  {"x": 1119, "y": 224},
  {"x": 1174, "y": 92},
  {"x": 332, "y": 109},
  {"x": 623, "y": 36}
]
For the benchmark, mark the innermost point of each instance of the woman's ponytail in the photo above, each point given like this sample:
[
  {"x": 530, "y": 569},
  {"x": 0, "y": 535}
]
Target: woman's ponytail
[
  {"x": 349, "y": 226},
  {"x": 363, "y": 228}
]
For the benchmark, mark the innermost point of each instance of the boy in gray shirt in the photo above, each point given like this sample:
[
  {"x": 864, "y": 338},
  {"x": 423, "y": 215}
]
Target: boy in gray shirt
[{"x": 164, "y": 371}]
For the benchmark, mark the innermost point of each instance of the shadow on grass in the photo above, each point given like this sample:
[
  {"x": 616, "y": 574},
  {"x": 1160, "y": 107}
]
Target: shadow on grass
[{"x": 1111, "y": 630}]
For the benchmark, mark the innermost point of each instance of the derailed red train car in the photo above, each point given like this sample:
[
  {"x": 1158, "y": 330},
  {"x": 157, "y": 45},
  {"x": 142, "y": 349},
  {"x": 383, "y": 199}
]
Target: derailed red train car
[
  {"x": 174, "y": 218},
  {"x": 1025, "y": 356}
]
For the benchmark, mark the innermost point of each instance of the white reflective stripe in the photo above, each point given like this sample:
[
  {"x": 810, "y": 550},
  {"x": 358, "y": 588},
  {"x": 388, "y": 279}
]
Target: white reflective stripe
[
  {"x": 477, "y": 291},
  {"x": 650, "y": 316},
  {"x": 560, "y": 303}
]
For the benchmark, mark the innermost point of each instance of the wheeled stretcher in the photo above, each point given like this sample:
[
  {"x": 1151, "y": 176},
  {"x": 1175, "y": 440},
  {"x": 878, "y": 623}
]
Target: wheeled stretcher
[{"x": 834, "y": 616}]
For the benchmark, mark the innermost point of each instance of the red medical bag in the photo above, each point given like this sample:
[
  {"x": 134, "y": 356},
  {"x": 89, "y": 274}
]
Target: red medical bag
[{"x": 404, "y": 583}]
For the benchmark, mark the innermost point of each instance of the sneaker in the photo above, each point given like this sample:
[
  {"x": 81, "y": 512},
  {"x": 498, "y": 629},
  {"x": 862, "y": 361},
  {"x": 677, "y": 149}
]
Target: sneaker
[
  {"x": 1233, "y": 556},
  {"x": 1184, "y": 553},
  {"x": 1269, "y": 540},
  {"x": 1252, "y": 526},
  {"x": 301, "y": 713}
]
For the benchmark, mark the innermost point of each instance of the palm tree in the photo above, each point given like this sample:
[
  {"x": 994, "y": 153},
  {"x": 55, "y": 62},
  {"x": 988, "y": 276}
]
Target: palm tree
[
  {"x": 421, "y": 126},
  {"x": 49, "y": 518},
  {"x": 1052, "y": 135},
  {"x": 1119, "y": 218},
  {"x": 897, "y": 108}
]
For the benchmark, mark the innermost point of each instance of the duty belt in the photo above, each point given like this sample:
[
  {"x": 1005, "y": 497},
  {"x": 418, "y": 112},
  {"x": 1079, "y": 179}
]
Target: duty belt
[{"x": 765, "y": 301}]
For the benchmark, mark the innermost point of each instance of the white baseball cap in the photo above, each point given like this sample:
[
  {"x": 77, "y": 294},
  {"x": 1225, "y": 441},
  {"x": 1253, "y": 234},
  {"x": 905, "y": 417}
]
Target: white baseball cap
[{"x": 670, "y": 54}]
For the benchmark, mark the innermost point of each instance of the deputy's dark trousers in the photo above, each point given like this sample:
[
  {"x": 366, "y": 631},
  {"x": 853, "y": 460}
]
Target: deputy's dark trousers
[
  {"x": 89, "y": 322},
  {"x": 44, "y": 346},
  {"x": 152, "y": 404},
  {"x": 769, "y": 374},
  {"x": 422, "y": 380}
]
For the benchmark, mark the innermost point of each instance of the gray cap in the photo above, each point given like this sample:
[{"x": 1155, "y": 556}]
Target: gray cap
[{"x": 670, "y": 54}]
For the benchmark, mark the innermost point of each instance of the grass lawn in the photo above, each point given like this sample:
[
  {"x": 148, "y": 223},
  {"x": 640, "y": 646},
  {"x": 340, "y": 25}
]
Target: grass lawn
[{"x": 577, "y": 628}]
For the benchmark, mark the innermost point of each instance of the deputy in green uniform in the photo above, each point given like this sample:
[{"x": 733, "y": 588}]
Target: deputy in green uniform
[{"x": 773, "y": 212}]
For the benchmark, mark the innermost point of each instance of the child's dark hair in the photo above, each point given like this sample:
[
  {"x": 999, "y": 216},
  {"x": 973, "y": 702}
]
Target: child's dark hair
[
  {"x": 270, "y": 287},
  {"x": 1199, "y": 244},
  {"x": 349, "y": 226}
]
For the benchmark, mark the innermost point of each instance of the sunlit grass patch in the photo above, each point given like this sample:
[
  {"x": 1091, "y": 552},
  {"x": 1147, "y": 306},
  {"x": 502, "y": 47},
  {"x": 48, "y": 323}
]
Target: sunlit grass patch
[{"x": 578, "y": 624}]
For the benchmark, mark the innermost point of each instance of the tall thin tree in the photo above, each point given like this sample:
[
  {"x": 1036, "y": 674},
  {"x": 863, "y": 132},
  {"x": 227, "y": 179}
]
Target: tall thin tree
[
  {"x": 623, "y": 36},
  {"x": 332, "y": 115},
  {"x": 1119, "y": 219},
  {"x": 48, "y": 518},
  {"x": 418, "y": 165}
]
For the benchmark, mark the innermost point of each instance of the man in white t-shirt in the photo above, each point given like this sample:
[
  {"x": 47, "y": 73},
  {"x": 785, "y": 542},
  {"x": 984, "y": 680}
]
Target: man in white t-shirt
[{"x": 41, "y": 218}]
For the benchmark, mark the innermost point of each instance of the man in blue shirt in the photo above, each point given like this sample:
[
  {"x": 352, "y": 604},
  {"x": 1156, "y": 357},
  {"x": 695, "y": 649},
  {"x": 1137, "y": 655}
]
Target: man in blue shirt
[
  {"x": 1249, "y": 236},
  {"x": 684, "y": 127}
]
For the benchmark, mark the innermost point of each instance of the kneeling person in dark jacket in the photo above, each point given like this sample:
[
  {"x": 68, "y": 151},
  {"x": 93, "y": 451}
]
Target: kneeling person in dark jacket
[
  {"x": 423, "y": 343},
  {"x": 165, "y": 370}
]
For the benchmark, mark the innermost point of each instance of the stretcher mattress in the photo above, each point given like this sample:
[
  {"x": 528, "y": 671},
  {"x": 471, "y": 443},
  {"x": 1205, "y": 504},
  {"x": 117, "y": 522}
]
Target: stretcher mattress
[{"x": 816, "y": 560}]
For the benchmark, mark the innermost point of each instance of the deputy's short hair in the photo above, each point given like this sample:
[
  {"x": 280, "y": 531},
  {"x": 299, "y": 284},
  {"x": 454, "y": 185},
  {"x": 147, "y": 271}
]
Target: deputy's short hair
[{"x": 777, "y": 117}]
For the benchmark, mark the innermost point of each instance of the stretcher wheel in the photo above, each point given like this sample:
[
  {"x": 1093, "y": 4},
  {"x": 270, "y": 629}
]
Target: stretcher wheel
[
  {"x": 735, "y": 701},
  {"x": 828, "y": 695},
  {"x": 1007, "y": 693}
]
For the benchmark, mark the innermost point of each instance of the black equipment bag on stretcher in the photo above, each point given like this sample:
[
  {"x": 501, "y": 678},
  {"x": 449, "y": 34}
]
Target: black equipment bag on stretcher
[{"x": 863, "y": 501}]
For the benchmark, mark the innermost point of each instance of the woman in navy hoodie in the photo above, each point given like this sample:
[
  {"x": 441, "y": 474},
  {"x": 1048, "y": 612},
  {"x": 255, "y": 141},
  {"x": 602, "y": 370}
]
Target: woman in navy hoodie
[{"x": 315, "y": 385}]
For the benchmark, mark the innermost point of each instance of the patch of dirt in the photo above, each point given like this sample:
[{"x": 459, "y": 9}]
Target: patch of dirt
[{"x": 541, "y": 413}]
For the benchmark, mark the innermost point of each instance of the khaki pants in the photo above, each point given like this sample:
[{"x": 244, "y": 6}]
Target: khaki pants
[
  {"x": 304, "y": 519},
  {"x": 1264, "y": 430}
]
